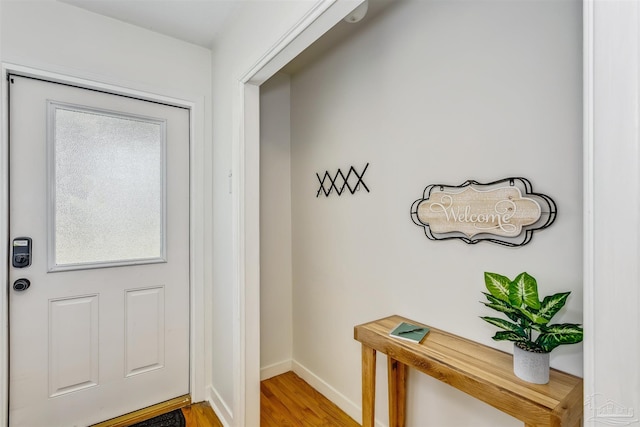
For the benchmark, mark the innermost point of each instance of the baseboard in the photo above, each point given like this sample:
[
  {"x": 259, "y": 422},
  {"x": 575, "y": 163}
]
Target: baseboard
[
  {"x": 218, "y": 405},
  {"x": 351, "y": 408},
  {"x": 275, "y": 369}
]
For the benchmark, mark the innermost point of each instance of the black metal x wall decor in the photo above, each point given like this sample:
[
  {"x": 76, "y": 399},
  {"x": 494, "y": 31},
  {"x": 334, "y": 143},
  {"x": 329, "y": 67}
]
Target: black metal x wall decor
[{"x": 339, "y": 182}]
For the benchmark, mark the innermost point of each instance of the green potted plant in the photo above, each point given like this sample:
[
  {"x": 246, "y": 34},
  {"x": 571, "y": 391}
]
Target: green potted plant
[{"x": 528, "y": 325}]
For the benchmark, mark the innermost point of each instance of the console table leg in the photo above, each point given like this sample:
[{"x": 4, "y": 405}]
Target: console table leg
[
  {"x": 397, "y": 373},
  {"x": 368, "y": 386}
]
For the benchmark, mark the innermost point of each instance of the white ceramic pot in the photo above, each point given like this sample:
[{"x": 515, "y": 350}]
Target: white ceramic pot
[{"x": 531, "y": 367}]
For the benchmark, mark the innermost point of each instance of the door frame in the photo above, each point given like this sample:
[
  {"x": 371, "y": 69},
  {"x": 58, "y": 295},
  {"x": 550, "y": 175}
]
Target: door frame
[
  {"x": 320, "y": 18},
  {"x": 197, "y": 354},
  {"x": 611, "y": 231}
]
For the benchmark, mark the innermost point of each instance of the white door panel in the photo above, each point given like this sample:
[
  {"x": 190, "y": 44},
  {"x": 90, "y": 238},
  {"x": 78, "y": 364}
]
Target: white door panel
[{"x": 91, "y": 341}]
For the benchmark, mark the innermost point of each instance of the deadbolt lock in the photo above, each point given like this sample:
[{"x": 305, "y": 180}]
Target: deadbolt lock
[{"x": 21, "y": 285}]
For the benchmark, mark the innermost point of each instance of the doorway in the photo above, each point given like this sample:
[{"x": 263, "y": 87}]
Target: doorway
[{"x": 321, "y": 288}]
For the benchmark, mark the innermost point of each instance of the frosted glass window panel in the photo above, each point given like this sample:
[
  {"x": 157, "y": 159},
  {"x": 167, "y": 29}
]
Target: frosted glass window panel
[{"x": 108, "y": 188}]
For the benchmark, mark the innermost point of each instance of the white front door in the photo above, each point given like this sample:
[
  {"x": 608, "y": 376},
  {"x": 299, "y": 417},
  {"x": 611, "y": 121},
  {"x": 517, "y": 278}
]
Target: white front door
[{"x": 99, "y": 183}]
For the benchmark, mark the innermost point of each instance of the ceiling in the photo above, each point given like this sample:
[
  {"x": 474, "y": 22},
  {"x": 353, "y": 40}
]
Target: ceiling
[
  {"x": 201, "y": 21},
  {"x": 194, "y": 21}
]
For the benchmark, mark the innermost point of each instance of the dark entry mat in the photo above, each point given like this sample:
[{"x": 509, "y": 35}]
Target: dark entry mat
[{"x": 170, "y": 419}]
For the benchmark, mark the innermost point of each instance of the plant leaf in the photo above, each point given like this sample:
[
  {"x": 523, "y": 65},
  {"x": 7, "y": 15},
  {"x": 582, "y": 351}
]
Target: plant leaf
[
  {"x": 503, "y": 307},
  {"x": 554, "y": 335},
  {"x": 534, "y": 316},
  {"x": 506, "y": 325},
  {"x": 524, "y": 291},
  {"x": 552, "y": 304},
  {"x": 497, "y": 285},
  {"x": 509, "y": 336}
]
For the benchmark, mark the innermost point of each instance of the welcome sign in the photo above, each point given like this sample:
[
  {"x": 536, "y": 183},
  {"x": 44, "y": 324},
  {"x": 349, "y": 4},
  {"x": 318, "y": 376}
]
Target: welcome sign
[{"x": 505, "y": 211}]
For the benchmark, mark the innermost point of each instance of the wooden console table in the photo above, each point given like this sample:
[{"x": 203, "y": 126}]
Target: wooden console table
[{"x": 483, "y": 372}]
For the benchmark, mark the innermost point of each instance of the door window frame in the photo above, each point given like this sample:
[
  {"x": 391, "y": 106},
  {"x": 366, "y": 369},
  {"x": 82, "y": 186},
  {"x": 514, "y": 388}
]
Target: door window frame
[{"x": 52, "y": 255}]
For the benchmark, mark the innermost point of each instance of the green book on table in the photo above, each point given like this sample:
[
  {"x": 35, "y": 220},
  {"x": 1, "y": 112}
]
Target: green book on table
[{"x": 409, "y": 332}]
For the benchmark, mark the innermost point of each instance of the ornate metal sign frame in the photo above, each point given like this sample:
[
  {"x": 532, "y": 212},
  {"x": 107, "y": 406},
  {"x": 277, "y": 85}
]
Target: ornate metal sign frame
[{"x": 506, "y": 212}]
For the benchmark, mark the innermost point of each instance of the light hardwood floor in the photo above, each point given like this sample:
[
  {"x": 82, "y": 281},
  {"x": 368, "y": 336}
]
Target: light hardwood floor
[
  {"x": 200, "y": 415},
  {"x": 285, "y": 401}
]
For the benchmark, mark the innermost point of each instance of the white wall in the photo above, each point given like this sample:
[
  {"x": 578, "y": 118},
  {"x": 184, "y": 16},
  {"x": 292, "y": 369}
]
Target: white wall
[
  {"x": 276, "y": 293},
  {"x": 62, "y": 38},
  {"x": 431, "y": 92}
]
